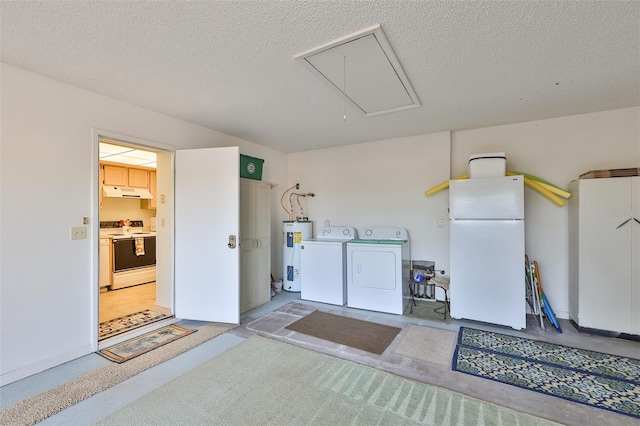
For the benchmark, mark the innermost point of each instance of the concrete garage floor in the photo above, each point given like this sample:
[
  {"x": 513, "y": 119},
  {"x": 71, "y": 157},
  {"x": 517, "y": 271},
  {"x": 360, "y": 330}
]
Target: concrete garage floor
[
  {"x": 273, "y": 325},
  {"x": 271, "y": 319}
]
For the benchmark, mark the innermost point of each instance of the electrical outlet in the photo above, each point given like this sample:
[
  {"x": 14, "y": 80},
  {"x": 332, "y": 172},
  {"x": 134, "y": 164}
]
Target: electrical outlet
[
  {"x": 161, "y": 198},
  {"x": 79, "y": 233},
  {"x": 440, "y": 223}
]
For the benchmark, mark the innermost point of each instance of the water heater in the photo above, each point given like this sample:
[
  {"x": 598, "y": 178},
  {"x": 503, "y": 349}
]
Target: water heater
[{"x": 293, "y": 234}]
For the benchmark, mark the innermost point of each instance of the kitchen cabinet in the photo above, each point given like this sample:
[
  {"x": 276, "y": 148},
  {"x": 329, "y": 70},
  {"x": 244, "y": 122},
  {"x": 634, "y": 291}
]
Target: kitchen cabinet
[
  {"x": 125, "y": 176},
  {"x": 138, "y": 178},
  {"x": 105, "y": 264},
  {"x": 255, "y": 244},
  {"x": 604, "y": 248},
  {"x": 152, "y": 203},
  {"x": 100, "y": 184},
  {"x": 115, "y": 175}
]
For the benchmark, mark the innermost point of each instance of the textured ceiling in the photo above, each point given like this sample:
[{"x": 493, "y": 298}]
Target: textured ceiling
[{"x": 228, "y": 65}]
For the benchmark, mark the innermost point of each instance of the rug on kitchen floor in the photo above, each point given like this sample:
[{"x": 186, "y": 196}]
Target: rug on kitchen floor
[
  {"x": 359, "y": 334},
  {"x": 129, "y": 322},
  {"x": 600, "y": 380},
  {"x": 131, "y": 348}
]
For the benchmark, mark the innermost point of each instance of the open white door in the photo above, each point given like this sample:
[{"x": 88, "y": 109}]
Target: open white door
[{"x": 207, "y": 211}]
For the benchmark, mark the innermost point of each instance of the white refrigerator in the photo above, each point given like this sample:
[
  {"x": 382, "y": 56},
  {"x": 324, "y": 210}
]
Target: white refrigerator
[{"x": 487, "y": 281}]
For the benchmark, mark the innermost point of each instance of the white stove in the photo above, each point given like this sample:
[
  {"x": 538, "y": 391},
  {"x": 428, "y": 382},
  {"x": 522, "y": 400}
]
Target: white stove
[
  {"x": 121, "y": 235},
  {"x": 132, "y": 253},
  {"x": 112, "y": 229}
]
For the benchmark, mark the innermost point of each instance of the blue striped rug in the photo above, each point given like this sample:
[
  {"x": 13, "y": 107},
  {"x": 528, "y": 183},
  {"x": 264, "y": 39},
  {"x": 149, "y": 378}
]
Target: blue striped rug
[{"x": 596, "y": 379}]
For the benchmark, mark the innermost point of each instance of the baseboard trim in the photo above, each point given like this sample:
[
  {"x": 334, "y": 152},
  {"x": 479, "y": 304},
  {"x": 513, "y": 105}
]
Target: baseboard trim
[
  {"x": 607, "y": 333},
  {"x": 40, "y": 366}
]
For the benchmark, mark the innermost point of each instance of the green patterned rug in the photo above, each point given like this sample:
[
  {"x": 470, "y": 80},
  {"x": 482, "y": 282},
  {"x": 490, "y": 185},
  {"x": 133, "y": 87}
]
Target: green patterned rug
[{"x": 596, "y": 379}]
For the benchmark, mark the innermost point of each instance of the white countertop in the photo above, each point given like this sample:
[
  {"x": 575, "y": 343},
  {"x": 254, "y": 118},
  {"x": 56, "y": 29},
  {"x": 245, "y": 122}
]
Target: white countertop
[{"x": 117, "y": 234}]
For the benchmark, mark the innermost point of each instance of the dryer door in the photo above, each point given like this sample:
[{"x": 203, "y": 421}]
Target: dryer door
[{"x": 374, "y": 268}]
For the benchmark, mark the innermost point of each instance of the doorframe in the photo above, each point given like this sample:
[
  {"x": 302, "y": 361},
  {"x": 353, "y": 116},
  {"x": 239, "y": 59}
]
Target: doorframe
[{"x": 94, "y": 227}]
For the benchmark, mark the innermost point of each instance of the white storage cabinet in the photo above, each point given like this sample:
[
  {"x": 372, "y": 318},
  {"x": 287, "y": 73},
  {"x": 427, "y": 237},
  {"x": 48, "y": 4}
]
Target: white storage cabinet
[
  {"x": 604, "y": 254},
  {"x": 255, "y": 244}
]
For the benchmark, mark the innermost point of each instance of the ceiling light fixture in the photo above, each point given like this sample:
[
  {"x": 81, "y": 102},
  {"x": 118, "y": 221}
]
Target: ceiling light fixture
[{"x": 377, "y": 82}]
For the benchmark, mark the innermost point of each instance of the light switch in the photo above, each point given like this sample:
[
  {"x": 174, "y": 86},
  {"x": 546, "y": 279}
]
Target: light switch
[{"x": 440, "y": 223}]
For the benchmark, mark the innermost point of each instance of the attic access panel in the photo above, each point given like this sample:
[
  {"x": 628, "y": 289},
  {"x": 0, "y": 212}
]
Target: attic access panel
[{"x": 375, "y": 81}]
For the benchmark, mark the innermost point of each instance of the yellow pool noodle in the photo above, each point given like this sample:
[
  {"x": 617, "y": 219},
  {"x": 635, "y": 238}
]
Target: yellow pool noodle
[
  {"x": 558, "y": 191},
  {"x": 443, "y": 185},
  {"x": 542, "y": 190},
  {"x": 551, "y": 187},
  {"x": 548, "y": 190}
]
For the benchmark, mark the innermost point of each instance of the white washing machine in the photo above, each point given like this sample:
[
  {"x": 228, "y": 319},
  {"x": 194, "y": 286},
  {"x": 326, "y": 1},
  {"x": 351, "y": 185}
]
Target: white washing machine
[
  {"x": 378, "y": 266},
  {"x": 324, "y": 267}
]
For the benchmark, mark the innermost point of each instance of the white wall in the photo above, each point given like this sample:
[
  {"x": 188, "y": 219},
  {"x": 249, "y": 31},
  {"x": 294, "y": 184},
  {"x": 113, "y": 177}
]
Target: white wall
[
  {"x": 48, "y": 282},
  {"x": 164, "y": 230},
  {"x": 125, "y": 208},
  {"x": 47, "y": 157},
  {"x": 557, "y": 150},
  {"x": 383, "y": 183},
  {"x": 380, "y": 184}
]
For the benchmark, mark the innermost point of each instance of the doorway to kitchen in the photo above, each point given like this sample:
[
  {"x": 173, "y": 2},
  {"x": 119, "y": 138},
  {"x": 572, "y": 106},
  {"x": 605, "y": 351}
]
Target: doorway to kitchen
[
  {"x": 132, "y": 294},
  {"x": 197, "y": 193}
]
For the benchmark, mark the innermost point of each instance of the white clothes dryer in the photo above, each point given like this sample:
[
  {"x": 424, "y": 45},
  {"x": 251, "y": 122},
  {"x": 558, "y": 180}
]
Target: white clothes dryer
[
  {"x": 378, "y": 266},
  {"x": 323, "y": 267}
]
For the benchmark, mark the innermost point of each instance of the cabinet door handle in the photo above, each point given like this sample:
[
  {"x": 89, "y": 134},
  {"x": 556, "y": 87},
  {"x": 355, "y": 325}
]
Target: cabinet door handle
[{"x": 623, "y": 223}]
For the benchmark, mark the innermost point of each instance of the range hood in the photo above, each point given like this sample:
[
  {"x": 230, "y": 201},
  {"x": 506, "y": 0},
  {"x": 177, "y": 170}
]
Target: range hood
[{"x": 127, "y": 192}]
